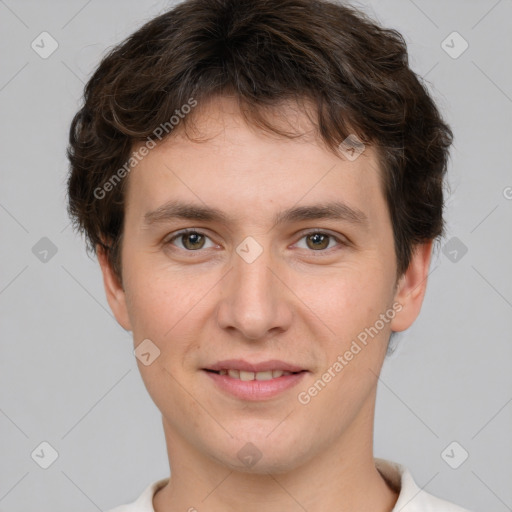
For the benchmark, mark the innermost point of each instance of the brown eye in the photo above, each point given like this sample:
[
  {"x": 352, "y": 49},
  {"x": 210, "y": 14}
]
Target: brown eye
[
  {"x": 317, "y": 241},
  {"x": 190, "y": 240}
]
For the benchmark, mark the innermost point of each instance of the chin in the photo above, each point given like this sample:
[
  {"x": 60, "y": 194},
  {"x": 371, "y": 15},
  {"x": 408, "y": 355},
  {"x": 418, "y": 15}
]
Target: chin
[{"x": 257, "y": 455}]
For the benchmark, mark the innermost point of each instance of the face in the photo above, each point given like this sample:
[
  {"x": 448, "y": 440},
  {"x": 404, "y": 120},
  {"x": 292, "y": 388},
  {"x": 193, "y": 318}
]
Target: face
[{"x": 267, "y": 272}]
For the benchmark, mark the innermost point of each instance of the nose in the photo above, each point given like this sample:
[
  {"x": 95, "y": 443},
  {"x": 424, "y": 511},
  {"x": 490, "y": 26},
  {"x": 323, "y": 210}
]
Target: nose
[{"x": 255, "y": 301}]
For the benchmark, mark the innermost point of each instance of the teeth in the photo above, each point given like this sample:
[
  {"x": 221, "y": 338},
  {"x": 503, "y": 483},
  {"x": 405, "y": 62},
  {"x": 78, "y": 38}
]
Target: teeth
[
  {"x": 235, "y": 374},
  {"x": 247, "y": 376},
  {"x": 264, "y": 375}
]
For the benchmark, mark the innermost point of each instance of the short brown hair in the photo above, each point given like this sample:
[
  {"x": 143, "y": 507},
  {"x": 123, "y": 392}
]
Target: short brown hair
[{"x": 263, "y": 52}]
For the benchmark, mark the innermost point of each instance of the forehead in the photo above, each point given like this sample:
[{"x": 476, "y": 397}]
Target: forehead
[{"x": 226, "y": 163}]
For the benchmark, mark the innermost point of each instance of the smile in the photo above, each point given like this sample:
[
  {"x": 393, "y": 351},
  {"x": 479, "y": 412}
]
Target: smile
[
  {"x": 247, "y": 376},
  {"x": 254, "y": 386}
]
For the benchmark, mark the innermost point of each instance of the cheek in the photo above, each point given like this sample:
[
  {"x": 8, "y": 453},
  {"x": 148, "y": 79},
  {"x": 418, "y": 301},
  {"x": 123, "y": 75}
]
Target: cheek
[
  {"x": 352, "y": 352},
  {"x": 149, "y": 309},
  {"x": 157, "y": 299},
  {"x": 164, "y": 311},
  {"x": 349, "y": 301},
  {"x": 167, "y": 309}
]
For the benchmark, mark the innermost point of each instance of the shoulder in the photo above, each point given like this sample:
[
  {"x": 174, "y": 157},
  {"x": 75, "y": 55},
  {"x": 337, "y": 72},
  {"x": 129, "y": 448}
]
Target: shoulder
[
  {"x": 412, "y": 498},
  {"x": 144, "y": 503}
]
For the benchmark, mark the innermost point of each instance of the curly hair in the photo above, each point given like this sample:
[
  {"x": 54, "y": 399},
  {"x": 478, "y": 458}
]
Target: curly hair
[{"x": 262, "y": 52}]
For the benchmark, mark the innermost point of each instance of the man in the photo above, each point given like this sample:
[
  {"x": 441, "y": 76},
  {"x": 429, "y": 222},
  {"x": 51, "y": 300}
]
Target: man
[{"x": 262, "y": 184}]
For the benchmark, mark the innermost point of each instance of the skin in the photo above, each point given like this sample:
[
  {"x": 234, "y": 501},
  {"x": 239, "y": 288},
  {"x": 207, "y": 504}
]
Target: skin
[{"x": 295, "y": 303}]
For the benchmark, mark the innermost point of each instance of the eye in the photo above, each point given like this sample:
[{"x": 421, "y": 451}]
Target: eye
[
  {"x": 319, "y": 241},
  {"x": 191, "y": 239},
  {"x": 194, "y": 240}
]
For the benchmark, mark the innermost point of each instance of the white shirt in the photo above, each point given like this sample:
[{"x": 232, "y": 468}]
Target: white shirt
[{"x": 411, "y": 497}]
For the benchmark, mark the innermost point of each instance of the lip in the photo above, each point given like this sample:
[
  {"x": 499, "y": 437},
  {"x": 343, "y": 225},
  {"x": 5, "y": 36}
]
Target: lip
[
  {"x": 240, "y": 364},
  {"x": 255, "y": 390}
]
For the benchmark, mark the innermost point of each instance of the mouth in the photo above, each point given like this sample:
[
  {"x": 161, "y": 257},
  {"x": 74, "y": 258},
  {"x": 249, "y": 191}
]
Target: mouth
[
  {"x": 248, "y": 376},
  {"x": 254, "y": 381}
]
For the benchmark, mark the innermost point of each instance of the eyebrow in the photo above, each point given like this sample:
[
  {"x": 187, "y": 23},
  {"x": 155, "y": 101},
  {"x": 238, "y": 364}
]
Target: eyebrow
[{"x": 335, "y": 210}]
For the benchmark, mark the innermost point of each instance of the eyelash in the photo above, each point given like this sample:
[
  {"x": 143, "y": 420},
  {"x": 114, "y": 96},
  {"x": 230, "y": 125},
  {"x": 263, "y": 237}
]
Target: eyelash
[{"x": 168, "y": 242}]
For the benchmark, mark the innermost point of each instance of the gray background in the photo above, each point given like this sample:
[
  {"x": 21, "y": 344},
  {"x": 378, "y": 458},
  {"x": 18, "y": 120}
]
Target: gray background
[{"x": 67, "y": 372}]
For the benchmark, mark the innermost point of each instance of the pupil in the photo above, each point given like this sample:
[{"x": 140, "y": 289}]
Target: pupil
[
  {"x": 193, "y": 238},
  {"x": 317, "y": 239}
]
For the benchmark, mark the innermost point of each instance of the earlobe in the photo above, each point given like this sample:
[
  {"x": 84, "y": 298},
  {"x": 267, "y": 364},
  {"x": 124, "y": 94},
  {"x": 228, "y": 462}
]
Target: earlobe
[
  {"x": 412, "y": 287},
  {"x": 114, "y": 291}
]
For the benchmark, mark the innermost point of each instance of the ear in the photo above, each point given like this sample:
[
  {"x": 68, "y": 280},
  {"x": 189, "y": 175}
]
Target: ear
[
  {"x": 114, "y": 291},
  {"x": 412, "y": 286}
]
